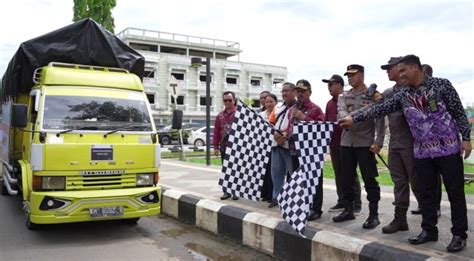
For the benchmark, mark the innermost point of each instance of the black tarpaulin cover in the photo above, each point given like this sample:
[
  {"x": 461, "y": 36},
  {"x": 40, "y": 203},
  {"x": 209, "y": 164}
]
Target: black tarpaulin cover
[{"x": 83, "y": 42}]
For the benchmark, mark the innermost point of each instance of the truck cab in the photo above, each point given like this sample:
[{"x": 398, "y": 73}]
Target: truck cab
[{"x": 82, "y": 146}]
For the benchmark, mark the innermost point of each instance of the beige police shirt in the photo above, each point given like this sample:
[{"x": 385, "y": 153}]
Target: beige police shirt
[
  {"x": 400, "y": 134},
  {"x": 360, "y": 134}
]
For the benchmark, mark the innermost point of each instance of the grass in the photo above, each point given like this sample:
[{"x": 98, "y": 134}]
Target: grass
[
  {"x": 169, "y": 155},
  {"x": 383, "y": 178},
  {"x": 468, "y": 168}
]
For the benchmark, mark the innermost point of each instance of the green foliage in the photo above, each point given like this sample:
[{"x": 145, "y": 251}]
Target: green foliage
[
  {"x": 99, "y": 10},
  {"x": 248, "y": 101}
]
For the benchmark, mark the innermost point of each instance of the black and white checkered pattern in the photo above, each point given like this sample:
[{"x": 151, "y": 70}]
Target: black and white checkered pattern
[
  {"x": 246, "y": 159},
  {"x": 293, "y": 202},
  {"x": 311, "y": 143}
]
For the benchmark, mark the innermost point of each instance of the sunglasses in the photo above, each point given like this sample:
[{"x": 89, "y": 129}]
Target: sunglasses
[{"x": 228, "y": 100}]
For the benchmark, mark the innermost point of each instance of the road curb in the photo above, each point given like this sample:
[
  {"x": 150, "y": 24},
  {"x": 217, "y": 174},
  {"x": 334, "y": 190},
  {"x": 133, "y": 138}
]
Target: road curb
[{"x": 275, "y": 237}]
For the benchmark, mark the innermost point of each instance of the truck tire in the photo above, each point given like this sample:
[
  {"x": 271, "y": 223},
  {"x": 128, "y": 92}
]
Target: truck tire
[
  {"x": 131, "y": 221},
  {"x": 165, "y": 140},
  {"x": 4, "y": 189},
  {"x": 30, "y": 225}
]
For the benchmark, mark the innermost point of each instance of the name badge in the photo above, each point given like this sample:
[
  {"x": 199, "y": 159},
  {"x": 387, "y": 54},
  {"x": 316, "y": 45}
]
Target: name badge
[{"x": 433, "y": 105}]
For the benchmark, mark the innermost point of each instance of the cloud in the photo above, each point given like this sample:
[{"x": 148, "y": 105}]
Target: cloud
[
  {"x": 313, "y": 39},
  {"x": 432, "y": 16}
]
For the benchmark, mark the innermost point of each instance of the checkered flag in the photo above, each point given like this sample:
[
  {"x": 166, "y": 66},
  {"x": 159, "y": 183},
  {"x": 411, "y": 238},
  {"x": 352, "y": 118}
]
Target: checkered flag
[
  {"x": 246, "y": 158},
  {"x": 311, "y": 143}
]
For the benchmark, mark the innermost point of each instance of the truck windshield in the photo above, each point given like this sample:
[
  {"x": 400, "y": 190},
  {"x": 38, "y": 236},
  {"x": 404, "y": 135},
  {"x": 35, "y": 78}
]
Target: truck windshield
[{"x": 95, "y": 113}]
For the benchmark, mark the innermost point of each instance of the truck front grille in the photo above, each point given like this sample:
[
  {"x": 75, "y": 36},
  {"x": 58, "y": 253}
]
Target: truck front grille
[{"x": 91, "y": 182}]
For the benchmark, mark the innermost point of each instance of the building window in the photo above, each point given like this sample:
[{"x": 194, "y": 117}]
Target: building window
[
  {"x": 180, "y": 100},
  {"x": 171, "y": 49},
  {"x": 202, "y": 101},
  {"x": 231, "y": 79},
  {"x": 150, "y": 73},
  {"x": 256, "y": 81},
  {"x": 178, "y": 75},
  {"x": 144, "y": 47},
  {"x": 151, "y": 98},
  {"x": 202, "y": 78},
  {"x": 277, "y": 81}
]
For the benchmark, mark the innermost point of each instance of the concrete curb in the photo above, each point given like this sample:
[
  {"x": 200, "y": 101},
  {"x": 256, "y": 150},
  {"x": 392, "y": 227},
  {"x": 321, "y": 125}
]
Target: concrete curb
[{"x": 275, "y": 237}]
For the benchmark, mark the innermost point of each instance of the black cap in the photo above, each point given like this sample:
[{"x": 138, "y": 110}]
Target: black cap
[
  {"x": 303, "y": 84},
  {"x": 391, "y": 62},
  {"x": 335, "y": 78},
  {"x": 354, "y": 68}
]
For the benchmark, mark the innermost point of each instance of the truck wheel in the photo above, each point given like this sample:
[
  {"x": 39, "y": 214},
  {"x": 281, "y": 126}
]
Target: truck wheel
[
  {"x": 4, "y": 189},
  {"x": 165, "y": 140},
  {"x": 30, "y": 225},
  {"x": 130, "y": 221}
]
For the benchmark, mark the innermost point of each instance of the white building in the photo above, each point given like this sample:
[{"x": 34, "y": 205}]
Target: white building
[{"x": 168, "y": 56}]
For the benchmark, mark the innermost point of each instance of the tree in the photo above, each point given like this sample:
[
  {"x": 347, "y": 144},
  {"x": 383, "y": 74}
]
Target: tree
[
  {"x": 99, "y": 10},
  {"x": 248, "y": 101}
]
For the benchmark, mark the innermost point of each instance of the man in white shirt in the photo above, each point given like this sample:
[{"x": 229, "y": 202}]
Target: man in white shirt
[{"x": 281, "y": 155}]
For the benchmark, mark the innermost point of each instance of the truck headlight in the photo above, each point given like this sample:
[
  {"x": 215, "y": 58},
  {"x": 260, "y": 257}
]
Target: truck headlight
[
  {"x": 52, "y": 183},
  {"x": 146, "y": 179}
]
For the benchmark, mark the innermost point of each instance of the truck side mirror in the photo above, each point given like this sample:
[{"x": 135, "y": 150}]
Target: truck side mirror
[{"x": 19, "y": 115}]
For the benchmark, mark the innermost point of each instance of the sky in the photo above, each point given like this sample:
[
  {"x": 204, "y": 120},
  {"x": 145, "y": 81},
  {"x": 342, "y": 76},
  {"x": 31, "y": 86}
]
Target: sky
[{"x": 312, "y": 39}]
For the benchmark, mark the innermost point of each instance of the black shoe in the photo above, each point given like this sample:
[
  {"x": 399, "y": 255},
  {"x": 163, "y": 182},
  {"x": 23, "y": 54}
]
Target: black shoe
[
  {"x": 235, "y": 198},
  {"x": 422, "y": 238},
  {"x": 418, "y": 212},
  {"x": 395, "y": 226},
  {"x": 273, "y": 204},
  {"x": 225, "y": 196},
  {"x": 313, "y": 215},
  {"x": 457, "y": 244},
  {"x": 357, "y": 210},
  {"x": 371, "y": 222},
  {"x": 344, "y": 216},
  {"x": 336, "y": 208}
]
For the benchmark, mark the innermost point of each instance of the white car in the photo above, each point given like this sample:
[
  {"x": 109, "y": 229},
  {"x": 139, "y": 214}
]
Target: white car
[{"x": 198, "y": 137}]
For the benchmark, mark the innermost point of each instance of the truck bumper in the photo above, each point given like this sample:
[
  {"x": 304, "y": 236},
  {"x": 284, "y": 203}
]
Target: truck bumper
[{"x": 78, "y": 205}]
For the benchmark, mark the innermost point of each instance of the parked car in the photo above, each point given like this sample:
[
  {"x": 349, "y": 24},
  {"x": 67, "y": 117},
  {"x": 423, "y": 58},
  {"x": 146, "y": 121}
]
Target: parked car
[
  {"x": 168, "y": 135},
  {"x": 198, "y": 137}
]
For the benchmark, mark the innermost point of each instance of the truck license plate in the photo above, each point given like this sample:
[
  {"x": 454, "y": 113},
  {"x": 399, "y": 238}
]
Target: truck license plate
[{"x": 106, "y": 212}]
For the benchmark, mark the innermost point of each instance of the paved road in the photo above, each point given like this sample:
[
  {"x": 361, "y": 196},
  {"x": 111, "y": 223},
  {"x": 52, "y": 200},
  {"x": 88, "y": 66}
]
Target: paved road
[
  {"x": 202, "y": 181},
  {"x": 153, "y": 238}
]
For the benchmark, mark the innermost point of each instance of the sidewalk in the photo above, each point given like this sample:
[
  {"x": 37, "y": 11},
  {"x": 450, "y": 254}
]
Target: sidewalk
[{"x": 193, "y": 187}]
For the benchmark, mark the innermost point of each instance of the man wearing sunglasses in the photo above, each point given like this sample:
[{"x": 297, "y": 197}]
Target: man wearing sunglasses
[{"x": 222, "y": 127}]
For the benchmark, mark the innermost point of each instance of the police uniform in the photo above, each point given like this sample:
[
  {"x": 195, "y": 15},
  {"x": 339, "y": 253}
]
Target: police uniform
[{"x": 355, "y": 145}]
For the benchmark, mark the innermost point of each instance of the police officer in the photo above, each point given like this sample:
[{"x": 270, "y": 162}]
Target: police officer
[{"x": 359, "y": 146}]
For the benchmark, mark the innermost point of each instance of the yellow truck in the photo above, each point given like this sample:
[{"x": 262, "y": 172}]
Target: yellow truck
[{"x": 80, "y": 145}]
